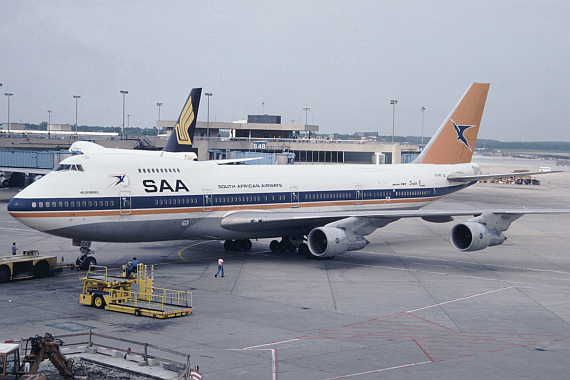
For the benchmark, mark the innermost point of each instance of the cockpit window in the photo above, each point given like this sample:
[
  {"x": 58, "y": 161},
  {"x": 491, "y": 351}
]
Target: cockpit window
[
  {"x": 62, "y": 167},
  {"x": 65, "y": 167}
]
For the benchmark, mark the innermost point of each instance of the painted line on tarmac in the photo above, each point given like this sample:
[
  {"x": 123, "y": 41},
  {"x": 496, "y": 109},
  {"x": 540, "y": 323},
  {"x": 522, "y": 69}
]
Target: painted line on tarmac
[
  {"x": 460, "y": 299},
  {"x": 379, "y": 370},
  {"x": 190, "y": 246}
]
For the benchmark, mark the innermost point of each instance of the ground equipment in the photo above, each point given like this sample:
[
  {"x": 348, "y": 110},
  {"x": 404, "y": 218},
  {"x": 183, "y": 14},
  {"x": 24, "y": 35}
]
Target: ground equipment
[
  {"x": 40, "y": 349},
  {"x": 30, "y": 264},
  {"x": 134, "y": 294}
]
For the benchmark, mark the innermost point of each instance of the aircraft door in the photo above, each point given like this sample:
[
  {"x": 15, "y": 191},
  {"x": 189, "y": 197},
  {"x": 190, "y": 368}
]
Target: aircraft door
[
  {"x": 294, "y": 197},
  {"x": 359, "y": 195},
  {"x": 125, "y": 202},
  {"x": 208, "y": 200}
]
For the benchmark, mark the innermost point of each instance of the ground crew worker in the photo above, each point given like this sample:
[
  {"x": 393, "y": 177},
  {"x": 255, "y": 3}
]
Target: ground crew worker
[
  {"x": 220, "y": 267},
  {"x": 132, "y": 266}
]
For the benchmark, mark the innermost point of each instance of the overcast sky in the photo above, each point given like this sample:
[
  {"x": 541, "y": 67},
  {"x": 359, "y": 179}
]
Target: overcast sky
[{"x": 345, "y": 61}]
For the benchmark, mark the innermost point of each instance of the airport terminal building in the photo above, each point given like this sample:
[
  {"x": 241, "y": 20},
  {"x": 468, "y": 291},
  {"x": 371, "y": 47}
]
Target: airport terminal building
[
  {"x": 260, "y": 135},
  {"x": 265, "y": 134}
]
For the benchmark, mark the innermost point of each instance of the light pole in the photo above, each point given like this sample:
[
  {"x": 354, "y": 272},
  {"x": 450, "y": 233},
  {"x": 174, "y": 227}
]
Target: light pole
[
  {"x": 307, "y": 109},
  {"x": 128, "y": 121},
  {"x": 8, "y": 95},
  {"x": 76, "y": 97},
  {"x": 208, "y": 94},
  {"x": 49, "y": 121},
  {"x": 123, "y": 127},
  {"x": 393, "y": 102},
  {"x": 159, "y": 105},
  {"x": 423, "y": 110}
]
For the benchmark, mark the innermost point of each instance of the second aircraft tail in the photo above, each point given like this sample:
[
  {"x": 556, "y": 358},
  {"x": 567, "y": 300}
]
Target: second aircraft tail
[
  {"x": 180, "y": 139},
  {"x": 454, "y": 141}
]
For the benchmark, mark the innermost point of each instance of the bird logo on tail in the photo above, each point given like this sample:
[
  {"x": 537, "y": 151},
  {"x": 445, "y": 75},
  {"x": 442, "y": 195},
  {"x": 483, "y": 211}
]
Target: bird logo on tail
[{"x": 460, "y": 129}]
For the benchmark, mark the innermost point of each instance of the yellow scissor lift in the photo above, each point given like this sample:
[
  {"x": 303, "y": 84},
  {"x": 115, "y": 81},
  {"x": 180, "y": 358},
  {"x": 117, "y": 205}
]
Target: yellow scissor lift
[{"x": 134, "y": 294}]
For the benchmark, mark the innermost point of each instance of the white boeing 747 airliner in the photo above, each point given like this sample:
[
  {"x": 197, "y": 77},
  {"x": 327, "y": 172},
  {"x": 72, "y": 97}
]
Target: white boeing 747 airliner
[{"x": 115, "y": 195}]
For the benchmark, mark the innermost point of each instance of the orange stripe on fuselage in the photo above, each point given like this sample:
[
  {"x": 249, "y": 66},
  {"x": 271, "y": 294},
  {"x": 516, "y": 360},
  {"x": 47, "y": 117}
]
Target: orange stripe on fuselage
[{"x": 166, "y": 211}]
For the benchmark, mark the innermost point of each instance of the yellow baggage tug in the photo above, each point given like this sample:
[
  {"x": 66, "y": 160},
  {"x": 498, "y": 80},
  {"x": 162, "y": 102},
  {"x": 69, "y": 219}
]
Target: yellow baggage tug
[
  {"x": 30, "y": 264},
  {"x": 134, "y": 294}
]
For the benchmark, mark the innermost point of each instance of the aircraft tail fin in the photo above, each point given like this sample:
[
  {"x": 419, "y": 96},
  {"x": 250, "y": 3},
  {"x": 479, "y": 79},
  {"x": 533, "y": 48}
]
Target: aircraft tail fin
[
  {"x": 180, "y": 139},
  {"x": 454, "y": 141}
]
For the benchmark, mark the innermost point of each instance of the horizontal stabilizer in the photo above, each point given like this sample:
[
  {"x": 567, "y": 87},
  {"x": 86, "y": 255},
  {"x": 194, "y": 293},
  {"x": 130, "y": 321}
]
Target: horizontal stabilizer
[{"x": 479, "y": 177}]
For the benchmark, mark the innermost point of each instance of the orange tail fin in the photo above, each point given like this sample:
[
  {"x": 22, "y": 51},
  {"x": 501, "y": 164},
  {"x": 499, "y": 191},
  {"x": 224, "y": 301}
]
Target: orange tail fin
[{"x": 454, "y": 141}]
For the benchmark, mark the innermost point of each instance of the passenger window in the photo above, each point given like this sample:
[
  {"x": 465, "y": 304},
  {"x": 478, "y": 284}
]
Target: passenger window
[{"x": 33, "y": 206}]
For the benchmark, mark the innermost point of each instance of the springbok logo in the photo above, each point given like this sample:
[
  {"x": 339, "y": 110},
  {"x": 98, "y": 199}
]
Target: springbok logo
[
  {"x": 460, "y": 129},
  {"x": 120, "y": 180}
]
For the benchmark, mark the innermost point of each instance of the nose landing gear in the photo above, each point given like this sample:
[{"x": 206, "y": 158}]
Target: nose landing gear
[{"x": 85, "y": 260}]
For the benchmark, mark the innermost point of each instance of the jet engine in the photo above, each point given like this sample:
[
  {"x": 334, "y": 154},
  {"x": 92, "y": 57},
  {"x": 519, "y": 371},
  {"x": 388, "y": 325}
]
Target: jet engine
[
  {"x": 332, "y": 241},
  {"x": 472, "y": 236},
  {"x": 4, "y": 181}
]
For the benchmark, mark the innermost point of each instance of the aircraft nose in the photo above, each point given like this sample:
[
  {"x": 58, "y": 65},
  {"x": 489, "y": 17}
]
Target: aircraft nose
[{"x": 16, "y": 204}]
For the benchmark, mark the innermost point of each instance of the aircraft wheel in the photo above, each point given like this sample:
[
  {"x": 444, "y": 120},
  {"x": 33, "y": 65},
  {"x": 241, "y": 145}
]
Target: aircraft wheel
[
  {"x": 6, "y": 183},
  {"x": 283, "y": 245},
  {"x": 4, "y": 274},
  {"x": 89, "y": 261},
  {"x": 99, "y": 302},
  {"x": 304, "y": 250},
  {"x": 41, "y": 269},
  {"x": 274, "y": 246},
  {"x": 229, "y": 245},
  {"x": 246, "y": 245}
]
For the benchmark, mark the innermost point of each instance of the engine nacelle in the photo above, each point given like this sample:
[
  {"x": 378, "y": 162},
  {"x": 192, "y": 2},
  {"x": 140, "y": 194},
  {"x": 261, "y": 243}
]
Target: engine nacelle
[
  {"x": 472, "y": 236},
  {"x": 332, "y": 241},
  {"x": 4, "y": 181}
]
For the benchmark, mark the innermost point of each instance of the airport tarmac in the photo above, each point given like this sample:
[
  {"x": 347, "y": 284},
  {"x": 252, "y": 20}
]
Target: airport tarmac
[{"x": 406, "y": 306}]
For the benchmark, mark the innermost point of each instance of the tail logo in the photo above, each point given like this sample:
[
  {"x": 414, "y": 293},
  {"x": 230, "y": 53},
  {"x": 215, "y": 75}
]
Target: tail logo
[
  {"x": 460, "y": 129},
  {"x": 186, "y": 118}
]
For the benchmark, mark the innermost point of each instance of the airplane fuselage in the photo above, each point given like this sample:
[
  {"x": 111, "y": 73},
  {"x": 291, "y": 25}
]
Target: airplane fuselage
[{"x": 120, "y": 196}]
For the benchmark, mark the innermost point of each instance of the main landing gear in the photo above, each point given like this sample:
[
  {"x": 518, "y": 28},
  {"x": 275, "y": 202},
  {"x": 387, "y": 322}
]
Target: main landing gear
[
  {"x": 85, "y": 260},
  {"x": 238, "y": 245},
  {"x": 291, "y": 244}
]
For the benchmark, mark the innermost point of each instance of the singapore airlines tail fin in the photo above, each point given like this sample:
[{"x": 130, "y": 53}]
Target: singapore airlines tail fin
[
  {"x": 180, "y": 139},
  {"x": 454, "y": 141}
]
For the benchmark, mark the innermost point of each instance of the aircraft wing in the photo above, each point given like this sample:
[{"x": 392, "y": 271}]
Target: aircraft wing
[
  {"x": 458, "y": 177},
  {"x": 13, "y": 169},
  {"x": 256, "y": 221}
]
